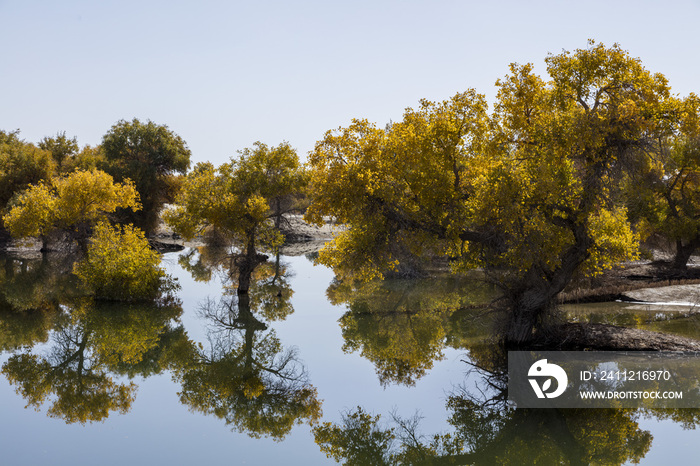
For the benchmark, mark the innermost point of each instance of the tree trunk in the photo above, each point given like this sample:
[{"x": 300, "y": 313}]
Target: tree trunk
[
  {"x": 5, "y": 237},
  {"x": 526, "y": 313},
  {"x": 278, "y": 214},
  {"x": 534, "y": 295},
  {"x": 246, "y": 263},
  {"x": 683, "y": 253},
  {"x": 251, "y": 325},
  {"x": 44, "y": 244}
]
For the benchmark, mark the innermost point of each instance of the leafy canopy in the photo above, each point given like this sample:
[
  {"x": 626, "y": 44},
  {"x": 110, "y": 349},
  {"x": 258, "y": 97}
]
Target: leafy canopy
[
  {"x": 73, "y": 202},
  {"x": 239, "y": 198},
  {"x": 528, "y": 192},
  {"x": 60, "y": 146},
  {"x": 21, "y": 164},
  {"x": 148, "y": 154},
  {"x": 121, "y": 266},
  {"x": 664, "y": 192}
]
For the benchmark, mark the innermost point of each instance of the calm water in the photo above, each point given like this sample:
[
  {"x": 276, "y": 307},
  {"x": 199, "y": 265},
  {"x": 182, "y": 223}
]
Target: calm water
[{"x": 213, "y": 380}]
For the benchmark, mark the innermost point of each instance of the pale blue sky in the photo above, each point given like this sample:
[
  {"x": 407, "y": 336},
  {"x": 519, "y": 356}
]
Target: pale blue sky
[{"x": 225, "y": 74}]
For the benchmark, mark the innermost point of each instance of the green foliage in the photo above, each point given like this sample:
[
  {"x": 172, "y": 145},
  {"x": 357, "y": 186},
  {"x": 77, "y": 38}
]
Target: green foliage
[
  {"x": 403, "y": 326},
  {"x": 275, "y": 173},
  {"x": 489, "y": 435},
  {"x": 246, "y": 377},
  {"x": 240, "y": 197},
  {"x": 270, "y": 290},
  {"x": 32, "y": 291},
  {"x": 360, "y": 441},
  {"x": 239, "y": 200},
  {"x": 81, "y": 395},
  {"x": 21, "y": 164},
  {"x": 121, "y": 266},
  {"x": 88, "y": 159},
  {"x": 148, "y": 154},
  {"x": 75, "y": 379},
  {"x": 61, "y": 147},
  {"x": 664, "y": 194}
]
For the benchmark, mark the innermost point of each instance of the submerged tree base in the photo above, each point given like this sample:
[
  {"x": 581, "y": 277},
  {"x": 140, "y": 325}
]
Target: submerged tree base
[{"x": 603, "y": 337}]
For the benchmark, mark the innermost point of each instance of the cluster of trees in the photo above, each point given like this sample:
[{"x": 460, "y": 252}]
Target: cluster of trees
[
  {"x": 72, "y": 354},
  {"x": 146, "y": 156},
  {"x": 244, "y": 201},
  {"x": 54, "y": 189},
  {"x": 561, "y": 179},
  {"x": 490, "y": 435}
]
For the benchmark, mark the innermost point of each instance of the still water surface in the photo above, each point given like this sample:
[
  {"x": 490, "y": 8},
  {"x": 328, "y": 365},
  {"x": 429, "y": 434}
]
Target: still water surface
[{"x": 213, "y": 380}]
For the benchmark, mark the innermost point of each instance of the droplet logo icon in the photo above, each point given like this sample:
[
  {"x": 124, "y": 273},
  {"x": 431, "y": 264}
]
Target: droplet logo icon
[{"x": 541, "y": 369}]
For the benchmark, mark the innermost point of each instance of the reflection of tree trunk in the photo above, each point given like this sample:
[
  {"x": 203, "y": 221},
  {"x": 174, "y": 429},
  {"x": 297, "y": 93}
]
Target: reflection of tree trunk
[
  {"x": 247, "y": 262},
  {"x": 81, "y": 363},
  {"x": 9, "y": 267},
  {"x": 247, "y": 321},
  {"x": 277, "y": 267},
  {"x": 79, "y": 354}
]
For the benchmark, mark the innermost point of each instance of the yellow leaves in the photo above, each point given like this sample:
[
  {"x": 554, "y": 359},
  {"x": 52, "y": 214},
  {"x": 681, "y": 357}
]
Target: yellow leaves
[
  {"x": 86, "y": 196},
  {"x": 256, "y": 207},
  {"x": 120, "y": 265},
  {"x": 239, "y": 198},
  {"x": 33, "y": 213},
  {"x": 513, "y": 190},
  {"x": 351, "y": 252},
  {"x": 81, "y": 197},
  {"x": 614, "y": 241}
]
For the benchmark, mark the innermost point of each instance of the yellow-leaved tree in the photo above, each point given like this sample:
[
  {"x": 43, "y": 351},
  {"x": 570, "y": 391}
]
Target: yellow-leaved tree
[
  {"x": 243, "y": 200},
  {"x": 121, "y": 266},
  {"x": 21, "y": 163},
  {"x": 74, "y": 203},
  {"x": 664, "y": 193},
  {"x": 527, "y": 192}
]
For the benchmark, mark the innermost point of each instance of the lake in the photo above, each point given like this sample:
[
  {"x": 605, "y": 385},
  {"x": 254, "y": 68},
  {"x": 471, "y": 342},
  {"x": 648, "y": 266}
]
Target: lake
[{"x": 208, "y": 378}]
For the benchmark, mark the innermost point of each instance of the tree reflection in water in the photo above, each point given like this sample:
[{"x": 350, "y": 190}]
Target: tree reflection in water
[
  {"x": 90, "y": 344},
  {"x": 32, "y": 289},
  {"x": 246, "y": 376},
  {"x": 402, "y": 328},
  {"x": 487, "y": 430}
]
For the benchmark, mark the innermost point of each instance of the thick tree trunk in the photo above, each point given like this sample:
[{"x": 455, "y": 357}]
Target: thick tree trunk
[
  {"x": 534, "y": 295},
  {"x": 246, "y": 263},
  {"x": 5, "y": 237},
  {"x": 683, "y": 253},
  {"x": 44, "y": 244},
  {"x": 526, "y": 313}
]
